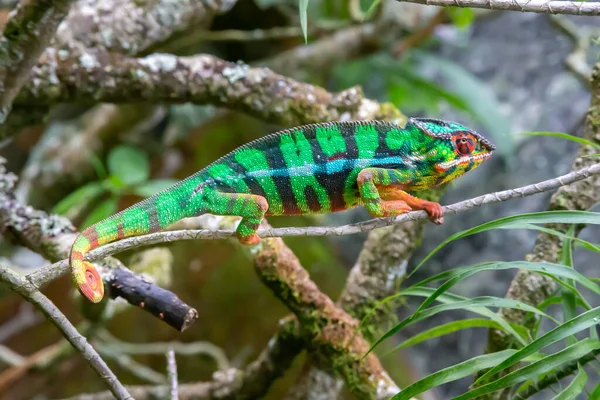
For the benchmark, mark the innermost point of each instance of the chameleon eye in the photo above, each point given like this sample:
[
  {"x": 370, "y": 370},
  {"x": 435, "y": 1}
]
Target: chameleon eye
[{"x": 465, "y": 143}]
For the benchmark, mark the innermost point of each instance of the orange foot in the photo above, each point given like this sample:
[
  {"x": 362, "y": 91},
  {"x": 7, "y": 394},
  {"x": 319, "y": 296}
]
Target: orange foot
[{"x": 435, "y": 211}]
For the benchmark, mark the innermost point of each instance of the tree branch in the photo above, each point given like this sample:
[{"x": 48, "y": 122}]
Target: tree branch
[
  {"x": 536, "y": 6},
  {"x": 51, "y": 272},
  {"x": 136, "y": 26},
  {"x": 96, "y": 76},
  {"x": 52, "y": 236},
  {"x": 30, "y": 293},
  {"x": 26, "y": 35}
]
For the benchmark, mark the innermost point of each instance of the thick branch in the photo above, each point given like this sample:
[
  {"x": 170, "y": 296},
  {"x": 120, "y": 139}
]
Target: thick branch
[
  {"x": 536, "y": 6},
  {"x": 30, "y": 293},
  {"x": 26, "y": 35},
  {"x": 129, "y": 26},
  {"x": 96, "y": 76}
]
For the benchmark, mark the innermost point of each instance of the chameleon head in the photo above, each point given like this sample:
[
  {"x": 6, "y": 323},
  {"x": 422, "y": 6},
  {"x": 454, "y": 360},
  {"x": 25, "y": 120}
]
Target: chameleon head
[{"x": 458, "y": 149}]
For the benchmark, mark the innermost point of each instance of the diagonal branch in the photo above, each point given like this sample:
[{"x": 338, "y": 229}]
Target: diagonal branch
[
  {"x": 26, "y": 35},
  {"x": 536, "y": 6},
  {"x": 30, "y": 293},
  {"x": 51, "y": 272}
]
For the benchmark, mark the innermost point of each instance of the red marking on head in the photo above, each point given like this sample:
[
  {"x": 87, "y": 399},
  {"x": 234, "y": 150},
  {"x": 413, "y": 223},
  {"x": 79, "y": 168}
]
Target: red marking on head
[{"x": 465, "y": 143}]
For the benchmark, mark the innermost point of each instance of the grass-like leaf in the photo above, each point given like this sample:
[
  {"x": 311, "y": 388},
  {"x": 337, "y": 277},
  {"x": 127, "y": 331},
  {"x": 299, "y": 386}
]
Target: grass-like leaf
[
  {"x": 571, "y": 327},
  {"x": 448, "y": 298},
  {"x": 533, "y": 370},
  {"x": 456, "y": 275},
  {"x": 448, "y": 328},
  {"x": 517, "y": 222},
  {"x": 564, "y": 136},
  {"x": 453, "y": 373},
  {"x": 303, "y": 9},
  {"x": 484, "y": 301},
  {"x": 575, "y": 387}
]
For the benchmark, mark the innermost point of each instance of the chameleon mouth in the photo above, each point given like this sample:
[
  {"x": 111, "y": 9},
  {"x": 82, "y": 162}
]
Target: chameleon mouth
[{"x": 464, "y": 161}]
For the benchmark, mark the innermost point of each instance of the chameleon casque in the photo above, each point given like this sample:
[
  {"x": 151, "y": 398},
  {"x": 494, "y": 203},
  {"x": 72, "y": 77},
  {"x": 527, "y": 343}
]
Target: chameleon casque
[{"x": 318, "y": 168}]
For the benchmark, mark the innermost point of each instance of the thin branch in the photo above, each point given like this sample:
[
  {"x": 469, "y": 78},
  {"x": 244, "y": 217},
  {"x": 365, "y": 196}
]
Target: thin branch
[
  {"x": 536, "y": 6},
  {"x": 172, "y": 374},
  {"x": 25, "y": 318},
  {"x": 135, "y": 368},
  {"x": 10, "y": 357},
  {"x": 27, "y": 33},
  {"x": 51, "y": 272},
  {"x": 576, "y": 61},
  {"x": 187, "y": 349},
  {"x": 30, "y": 293}
]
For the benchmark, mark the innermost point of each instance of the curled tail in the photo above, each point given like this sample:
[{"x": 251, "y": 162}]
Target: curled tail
[{"x": 150, "y": 215}]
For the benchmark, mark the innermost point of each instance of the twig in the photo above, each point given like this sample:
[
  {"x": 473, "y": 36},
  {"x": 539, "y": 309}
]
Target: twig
[
  {"x": 133, "y": 367},
  {"x": 536, "y": 6},
  {"x": 576, "y": 61},
  {"x": 34, "y": 296},
  {"x": 25, "y": 318},
  {"x": 564, "y": 371},
  {"x": 172, "y": 374},
  {"x": 26, "y": 35},
  {"x": 252, "y": 382},
  {"x": 9, "y": 357},
  {"x": 188, "y": 349}
]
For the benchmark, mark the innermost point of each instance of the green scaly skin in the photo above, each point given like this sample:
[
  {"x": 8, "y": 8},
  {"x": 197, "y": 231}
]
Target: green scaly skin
[{"x": 311, "y": 169}]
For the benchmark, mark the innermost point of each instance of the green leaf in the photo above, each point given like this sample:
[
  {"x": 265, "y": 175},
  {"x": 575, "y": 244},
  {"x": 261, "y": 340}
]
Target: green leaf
[
  {"x": 150, "y": 188},
  {"x": 520, "y": 221},
  {"x": 535, "y": 369},
  {"x": 569, "y": 304},
  {"x": 455, "y": 275},
  {"x": 371, "y": 9},
  {"x": 575, "y": 387},
  {"x": 448, "y": 328},
  {"x": 128, "y": 164},
  {"x": 102, "y": 211},
  {"x": 565, "y": 136},
  {"x": 596, "y": 394},
  {"x": 483, "y": 301},
  {"x": 303, "y": 9},
  {"x": 453, "y": 373},
  {"x": 577, "y": 324},
  {"x": 80, "y": 197},
  {"x": 461, "y": 17},
  {"x": 449, "y": 298}
]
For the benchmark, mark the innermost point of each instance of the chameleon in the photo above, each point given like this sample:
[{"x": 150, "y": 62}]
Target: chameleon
[{"x": 311, "y": 169}]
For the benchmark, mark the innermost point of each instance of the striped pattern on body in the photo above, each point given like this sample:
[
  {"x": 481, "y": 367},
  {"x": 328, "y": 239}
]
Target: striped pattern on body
[{"x": 303, "y": 170}]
